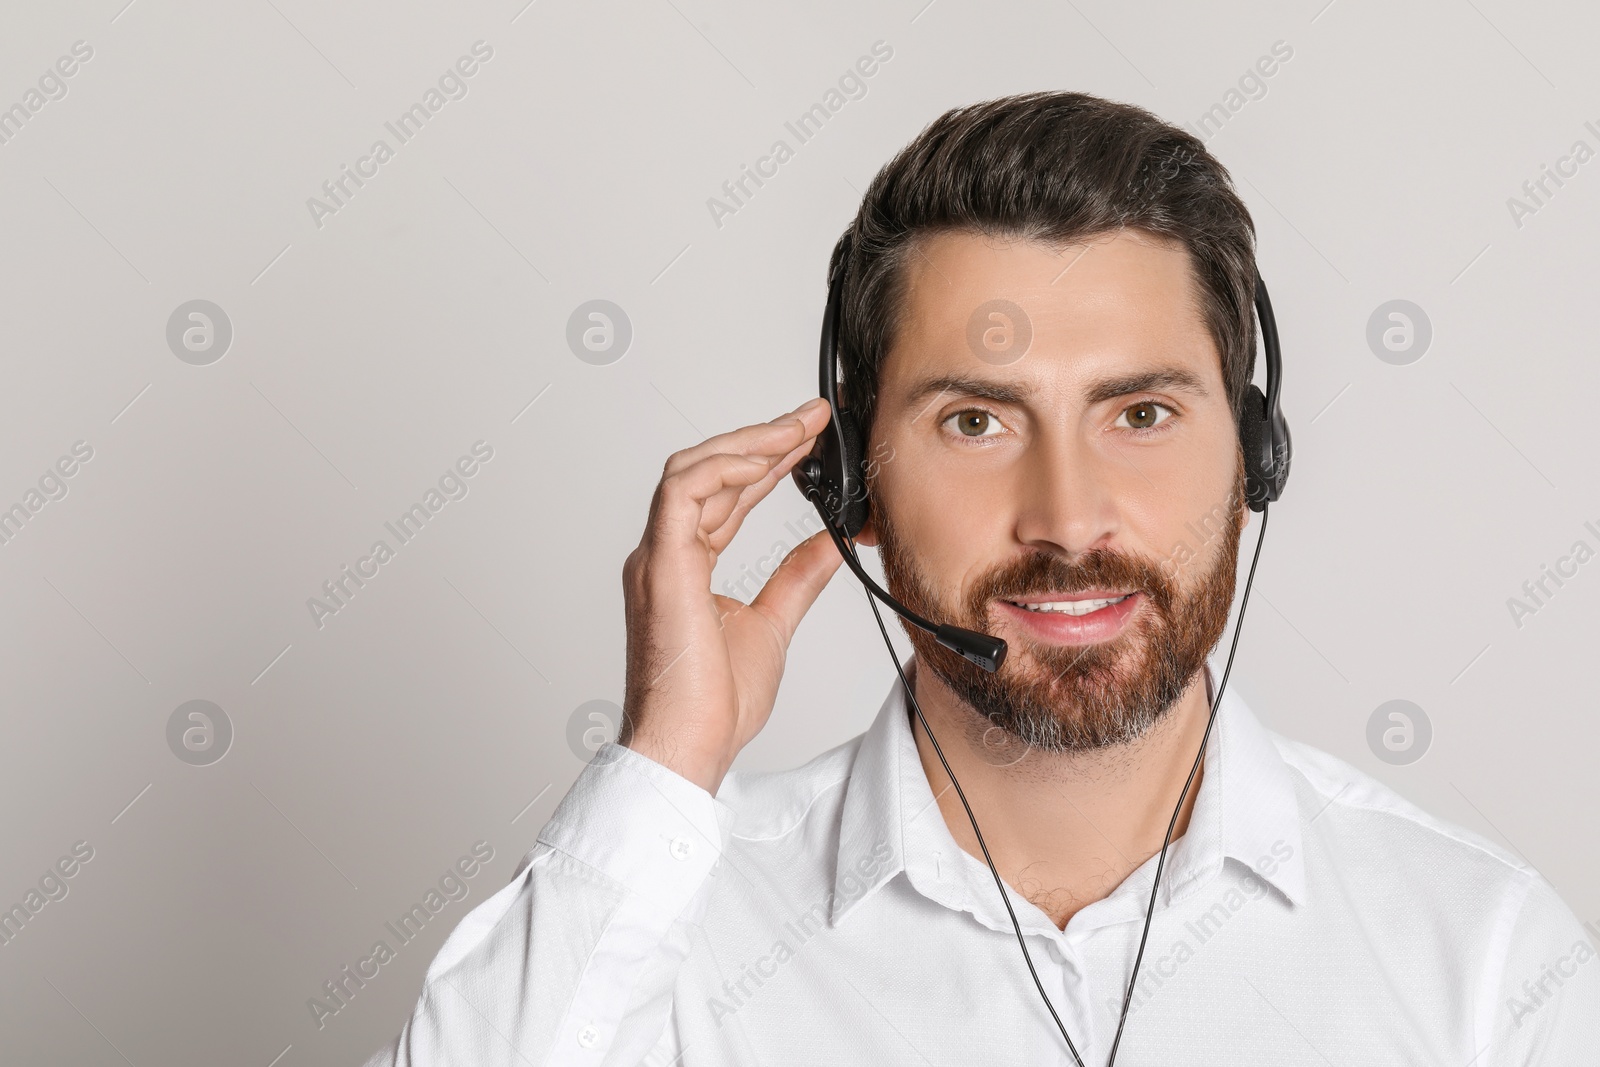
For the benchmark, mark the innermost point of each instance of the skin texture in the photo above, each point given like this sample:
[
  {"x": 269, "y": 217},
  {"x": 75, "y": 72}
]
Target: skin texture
[{"x": 1060, "y": 492}]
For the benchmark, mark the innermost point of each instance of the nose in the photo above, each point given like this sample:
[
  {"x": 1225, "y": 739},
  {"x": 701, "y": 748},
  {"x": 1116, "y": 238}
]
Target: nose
[{"x": 1067, "y": 493}]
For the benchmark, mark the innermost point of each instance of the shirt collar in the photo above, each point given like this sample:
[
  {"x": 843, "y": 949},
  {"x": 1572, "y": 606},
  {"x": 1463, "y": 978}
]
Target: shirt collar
[{"x": 1245, "y": 810}]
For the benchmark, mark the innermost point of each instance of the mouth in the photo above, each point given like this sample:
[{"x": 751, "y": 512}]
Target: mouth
[
  {"x": 1076, "y": 607},
  {"x": 1084, "y": 617}
]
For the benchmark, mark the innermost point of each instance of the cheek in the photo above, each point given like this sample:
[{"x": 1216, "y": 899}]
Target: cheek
[
  {"x": 955, "y": 514},
  {"x": 1193, "y": 508},
  {"x": 1172, "y": 489}
]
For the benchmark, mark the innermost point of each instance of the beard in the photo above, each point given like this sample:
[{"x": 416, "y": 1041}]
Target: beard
[{"x": 1076, "y": 698}]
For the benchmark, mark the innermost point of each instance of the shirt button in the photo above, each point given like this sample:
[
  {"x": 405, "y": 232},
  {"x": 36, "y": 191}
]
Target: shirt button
[
  {"x": 681, "y": 848},
  {"x": 588, "y": 1036}
]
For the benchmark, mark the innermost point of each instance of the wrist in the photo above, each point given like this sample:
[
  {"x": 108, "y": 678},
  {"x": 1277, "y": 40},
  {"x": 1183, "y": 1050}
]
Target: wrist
[{"x": 705, "y": 770}]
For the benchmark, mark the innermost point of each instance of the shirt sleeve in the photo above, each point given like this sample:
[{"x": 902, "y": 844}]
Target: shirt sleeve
[
  {"x": 1546, "y": 1004},
  {"x": 574, "y": 961}
]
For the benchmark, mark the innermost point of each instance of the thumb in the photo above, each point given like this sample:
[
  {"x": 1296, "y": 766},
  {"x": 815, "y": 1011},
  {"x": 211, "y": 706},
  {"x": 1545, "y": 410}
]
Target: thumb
[{"x": 795, "y": 585}]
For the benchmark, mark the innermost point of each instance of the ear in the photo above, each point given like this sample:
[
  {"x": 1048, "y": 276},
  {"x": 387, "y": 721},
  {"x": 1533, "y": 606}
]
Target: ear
[{"x": 868, "y": 537}]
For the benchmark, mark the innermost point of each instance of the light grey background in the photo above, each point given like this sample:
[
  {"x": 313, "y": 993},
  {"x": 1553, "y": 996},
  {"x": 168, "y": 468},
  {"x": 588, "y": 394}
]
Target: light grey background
[{"x": 435, "y": 709}]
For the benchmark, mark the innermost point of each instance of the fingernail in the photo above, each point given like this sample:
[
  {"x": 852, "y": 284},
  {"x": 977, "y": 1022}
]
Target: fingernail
[{"x": 804, "y": 409}]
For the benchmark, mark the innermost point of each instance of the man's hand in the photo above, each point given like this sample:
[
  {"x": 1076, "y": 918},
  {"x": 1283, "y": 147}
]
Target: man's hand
[{"x": 703, "y": 669}]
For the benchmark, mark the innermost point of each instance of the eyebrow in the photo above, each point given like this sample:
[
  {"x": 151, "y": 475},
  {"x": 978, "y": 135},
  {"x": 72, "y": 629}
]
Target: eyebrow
[{"x": 1001, "y": 392}]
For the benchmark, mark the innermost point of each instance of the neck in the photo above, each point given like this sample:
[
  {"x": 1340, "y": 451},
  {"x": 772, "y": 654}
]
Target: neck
[{"x": 1064, "y": 829}]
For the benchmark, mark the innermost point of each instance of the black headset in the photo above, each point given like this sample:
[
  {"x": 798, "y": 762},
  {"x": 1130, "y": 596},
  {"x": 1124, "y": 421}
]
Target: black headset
[{"x": 834, "y": 478}]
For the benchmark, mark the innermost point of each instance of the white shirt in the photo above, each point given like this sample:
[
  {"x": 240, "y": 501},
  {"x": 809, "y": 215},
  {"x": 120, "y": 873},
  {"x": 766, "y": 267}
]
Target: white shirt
[{"x": 824, "y": 915}]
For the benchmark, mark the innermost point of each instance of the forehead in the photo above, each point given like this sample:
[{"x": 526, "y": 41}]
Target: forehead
[{"x": 1106, "y": 306}]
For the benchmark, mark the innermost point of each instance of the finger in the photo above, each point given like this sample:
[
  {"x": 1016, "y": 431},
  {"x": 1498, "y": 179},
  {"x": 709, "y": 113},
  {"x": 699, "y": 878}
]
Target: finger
[
  {"x": 681, "y": 498},
  {"x": 768, "y": 440},
  {"x": 750, "y": 496},
  {"x": 794, "y": 586},
  {"x": 772, "y": 439},
  {"x": 724, "y": 513}
]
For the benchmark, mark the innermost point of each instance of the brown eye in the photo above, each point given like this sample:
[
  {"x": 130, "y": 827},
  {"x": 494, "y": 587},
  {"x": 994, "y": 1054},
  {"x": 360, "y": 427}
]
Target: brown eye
[
  {"x": 976, "y": 423},
  {"x": 1145, "y": 415}
]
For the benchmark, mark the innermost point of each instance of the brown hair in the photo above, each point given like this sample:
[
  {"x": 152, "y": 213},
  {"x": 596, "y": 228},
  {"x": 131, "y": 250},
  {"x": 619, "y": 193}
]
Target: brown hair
[{"x": 1056, "y": 167}]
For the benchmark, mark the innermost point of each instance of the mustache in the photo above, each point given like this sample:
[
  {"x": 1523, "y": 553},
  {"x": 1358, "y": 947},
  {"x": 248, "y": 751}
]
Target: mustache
[{"x": 1047, "y": 572}]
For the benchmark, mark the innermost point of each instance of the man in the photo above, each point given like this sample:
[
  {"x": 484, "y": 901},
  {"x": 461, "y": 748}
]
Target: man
[{"x": 677, "y": 912}]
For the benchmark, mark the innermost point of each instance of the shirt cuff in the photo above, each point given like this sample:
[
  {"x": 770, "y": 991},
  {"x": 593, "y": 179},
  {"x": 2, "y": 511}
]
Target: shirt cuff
[{"x": 640, "y": 824}]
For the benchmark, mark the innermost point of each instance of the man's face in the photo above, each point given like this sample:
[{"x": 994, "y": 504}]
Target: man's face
[{"x": 1082, "y": 498}]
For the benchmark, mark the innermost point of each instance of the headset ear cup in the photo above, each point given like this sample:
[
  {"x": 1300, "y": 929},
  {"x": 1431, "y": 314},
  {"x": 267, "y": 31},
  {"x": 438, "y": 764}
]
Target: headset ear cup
[
  {"x": 853, "y": 464},
  {"x": 1279, "y": 452},
  {"x": 834, "y": 475},
  {"x": 1255, "y": 440}
]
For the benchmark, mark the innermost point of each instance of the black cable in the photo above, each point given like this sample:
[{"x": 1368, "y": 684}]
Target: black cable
[
  {"x": 973, "y": 819},
  {"x": 1005, "y": 898},
  {"x": 1244, "y": 602}
]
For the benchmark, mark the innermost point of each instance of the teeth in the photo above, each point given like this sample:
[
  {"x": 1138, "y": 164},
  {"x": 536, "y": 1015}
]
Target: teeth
[{"x": 1075, "y": 607}]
